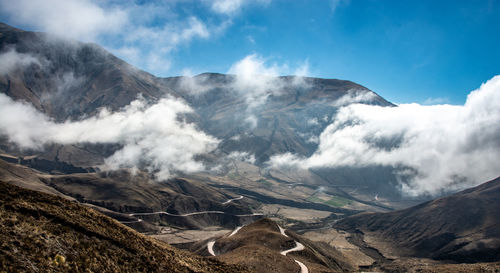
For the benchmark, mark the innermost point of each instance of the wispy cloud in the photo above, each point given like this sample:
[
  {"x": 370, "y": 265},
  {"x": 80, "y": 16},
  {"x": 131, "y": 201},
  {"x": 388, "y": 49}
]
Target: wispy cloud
[
  {"x": 229, "y": 7},
  {"x": 447, "y": 147},
  {"x": 144, "y": 34},
  {"x": 257, "y": 79},
  {"x": 11, "y": 60},
  {"x": 432, "y": 101}
]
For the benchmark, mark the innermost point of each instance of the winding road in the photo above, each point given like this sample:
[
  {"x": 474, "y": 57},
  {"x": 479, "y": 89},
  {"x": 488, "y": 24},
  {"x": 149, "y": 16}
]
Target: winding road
[
  {"x": 234, "y": 199},
  {"x": 191, "y": 213},
  {"x": 298, "y": 247},
  {"x": 210, "y": 247}
]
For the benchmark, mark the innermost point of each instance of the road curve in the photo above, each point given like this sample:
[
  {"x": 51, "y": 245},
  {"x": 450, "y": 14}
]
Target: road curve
[
  {"x": 234, "y": 199},
  {"x": 235, "y": 231},
  {"x": 131, "y": 222},
  {"x": 210, "y": 247},
  {"x": 298, "y": 247},
  {"x": 303, "y": 267}
]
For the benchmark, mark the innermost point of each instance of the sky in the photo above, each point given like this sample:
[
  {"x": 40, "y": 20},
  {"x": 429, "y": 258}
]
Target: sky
[
  {"x": 439, "y": 62},
  {"x": 427, "y": 52}
]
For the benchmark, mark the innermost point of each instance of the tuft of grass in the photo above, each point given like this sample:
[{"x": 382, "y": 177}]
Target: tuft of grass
[{"x": 59, "y": 260}]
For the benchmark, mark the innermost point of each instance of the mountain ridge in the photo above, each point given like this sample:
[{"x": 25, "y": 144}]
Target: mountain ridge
[
  {"x": 462, "y": 227},
  {"x": 42, "y": 232}
]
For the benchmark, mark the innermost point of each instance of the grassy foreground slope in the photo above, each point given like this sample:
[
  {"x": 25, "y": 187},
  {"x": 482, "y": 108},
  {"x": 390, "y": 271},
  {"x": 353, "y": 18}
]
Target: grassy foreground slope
[{"x": 45, "y": 233}]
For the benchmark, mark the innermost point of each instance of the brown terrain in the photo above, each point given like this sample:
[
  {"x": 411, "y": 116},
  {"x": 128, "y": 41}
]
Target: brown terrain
[
  {"x": 460, "y": 228},
  {"x": 118, "y": 194},
  {"x": 259, "y": 244},
  {"x": 45, "y": 233}
]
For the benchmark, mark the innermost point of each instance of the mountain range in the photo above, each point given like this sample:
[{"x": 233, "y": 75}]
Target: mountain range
[{"x": 188, "y": 161}]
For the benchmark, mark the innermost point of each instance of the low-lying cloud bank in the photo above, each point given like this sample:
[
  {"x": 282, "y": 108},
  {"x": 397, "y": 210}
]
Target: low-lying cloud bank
[
  {"x": 153, "y": 136},
  {"x": 442, "y": 147}
]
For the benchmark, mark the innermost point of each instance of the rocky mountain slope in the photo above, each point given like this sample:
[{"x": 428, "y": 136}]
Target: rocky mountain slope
[
  {"x": 118, "y": 194},
  {"x": 463, "y": 227},
  {"x": 45, "y": 233}
]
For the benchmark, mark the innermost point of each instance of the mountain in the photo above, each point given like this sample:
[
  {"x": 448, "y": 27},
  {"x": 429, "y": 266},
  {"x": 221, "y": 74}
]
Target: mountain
[
  {"x": 118, "y": 194},
  {"x": 287, "y": 115},
  {"x": 45, "y": 233},
  {"x": 264, "y": 246},
  {"x": 463, "y": 227},
  {"x": 71, "y": 80}
]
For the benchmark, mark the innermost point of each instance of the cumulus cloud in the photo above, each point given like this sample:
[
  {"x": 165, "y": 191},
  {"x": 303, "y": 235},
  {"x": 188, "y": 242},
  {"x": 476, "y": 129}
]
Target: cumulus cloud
[
  {"x": 256, "y": 80},
  {"x": 152, "y": 136},
  {"x": 440, "y": 147},
  {"x": 12, "y": 60}
]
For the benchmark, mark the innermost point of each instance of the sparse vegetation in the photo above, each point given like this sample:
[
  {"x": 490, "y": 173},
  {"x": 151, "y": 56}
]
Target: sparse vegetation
[
  {"x": 338, "y": 201},
  {"x": 44, "y": 233},
  {"x": 265, "y": 183},
  {"x": 234, "y": 176},
  {"x": 334, "y": 201}
]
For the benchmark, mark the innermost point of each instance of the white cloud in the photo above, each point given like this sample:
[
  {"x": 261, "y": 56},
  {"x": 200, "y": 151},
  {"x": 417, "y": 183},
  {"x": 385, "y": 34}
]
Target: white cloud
[
  {"x": 334, "y": 4},
  {"x": 313, "y": 122},
  {"x": 78, "y": 19},
  {"x": 150, "y": 47},
  {"x": 256, "y": 80},
  {"x": 226, "y": 6},
  {"x": 242, "y": 156},
  {"x": 152, "y": 135},
  {"x": 252, "y": 121},
  {"x": 431, "y": 101},
  {"x": 354, "y": 96},
  {"x": 449, "y": 147},
  {"x": 229, "y": 7},
  {"x": 12, "y": 60},
  {"x": 194, "y": 85}
]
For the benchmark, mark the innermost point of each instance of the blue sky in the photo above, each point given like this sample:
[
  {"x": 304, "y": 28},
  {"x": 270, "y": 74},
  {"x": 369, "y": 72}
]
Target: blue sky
[{"x": 407, "y": 51}]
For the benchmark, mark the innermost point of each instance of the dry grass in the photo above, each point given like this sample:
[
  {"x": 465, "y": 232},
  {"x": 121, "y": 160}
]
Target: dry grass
[{"x": 44, "y": 233}]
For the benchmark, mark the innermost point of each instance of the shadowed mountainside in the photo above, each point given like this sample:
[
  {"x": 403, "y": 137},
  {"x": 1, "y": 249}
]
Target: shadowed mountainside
[
  {"x": 42, "y": 233},
  {"x": 463, "y": 227},
  {"x": 120, "y": 193}
]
